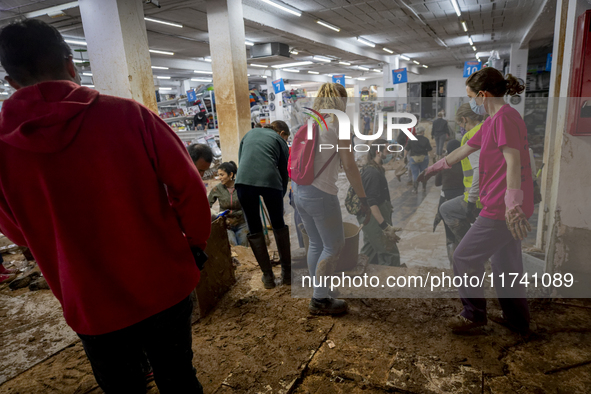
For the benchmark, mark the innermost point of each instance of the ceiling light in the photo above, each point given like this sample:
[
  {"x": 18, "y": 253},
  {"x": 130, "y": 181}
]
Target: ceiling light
[
  {"x": 5, "y": 93},
  {"x": 164, "y": 88},
  {"x": 87, "y": 74},
  {"x": 363, "y": 68},
  {"x": 159, "y": 68},
  {"x": 376, "y": 70},
  {"x": 425, "y": 66},
  {"x": 404, "y": 57},
  {"x": 57, "y": 10},
  {"x": 283, "y": 8},
  {"x": 88, "y": 86},
  {"x": 464, "y": 26},
  {"x": 313, "y": 72},
  {"x": 293, "y": 52},
  {"x": 322, "y": 58},
  {"x": 293, "y": 64},
  {"x": 203, "y": 79},
  {"x": 415, "y": 62},
  {"x": 345, "y": 63},
  {"x": 75, "y": 42},
  {"x": 456, "y": 7},
  {"x": 473, "y": 47},
  {"x": 361, "y": 79},
  {"x": 348, "y": 77},
  {"x": 202, "y": 72},
  {"x": 364, "y": 41},
  {"x": 291, "y": 70},
  {"x": 161, "y": 52},
  {"x": 206, "y": 59},
  {"x": 470, "y": 40},
  {"x": 388, "y": 50},
  {"x": 248, "y": 43},
  {"x": 248, "y": 75},
  {"x": 325, "y": 24},
  {"x": 293, "y": 84},
  {"x": 159, "y": 77},
  {"x": 259, "y": 65},
  {"x": 79, "y": 61},
  {"x": 163, "y": 22},
  {"x": 330, "y": 75}
]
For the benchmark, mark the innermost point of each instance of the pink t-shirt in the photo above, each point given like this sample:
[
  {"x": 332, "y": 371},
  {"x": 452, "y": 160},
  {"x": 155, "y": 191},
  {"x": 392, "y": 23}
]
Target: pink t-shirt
[{"x": 506, "y": 128}]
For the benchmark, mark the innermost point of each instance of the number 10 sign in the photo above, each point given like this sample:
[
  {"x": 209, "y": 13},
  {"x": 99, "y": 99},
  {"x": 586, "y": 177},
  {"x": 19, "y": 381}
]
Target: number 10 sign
[
  {"x": 471, "y": 67},
  {"x": 399, "y": 76}
]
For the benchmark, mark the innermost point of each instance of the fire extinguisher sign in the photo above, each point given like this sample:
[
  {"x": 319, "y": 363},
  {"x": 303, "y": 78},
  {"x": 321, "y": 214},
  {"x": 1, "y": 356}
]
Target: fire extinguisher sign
[{"x": 471, "y": 67}]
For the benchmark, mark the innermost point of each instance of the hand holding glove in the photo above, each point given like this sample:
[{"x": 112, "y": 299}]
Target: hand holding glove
[
  {"x": 514, "y": 217},
  {"x": 432, "y": 170},
  {"x": 390, "y": 233},
  {"x": 471, "y": 212}
]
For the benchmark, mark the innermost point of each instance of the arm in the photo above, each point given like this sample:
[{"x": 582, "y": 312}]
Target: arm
[
  {"x": 282, "y": 165},
  {"x": 348, "y": 160},
  {"x": 212, "y": 198},
  {"x": 513, "y": 167},
  {"x": 375, "y": 211},
  {"x": 474, "y": 191}
]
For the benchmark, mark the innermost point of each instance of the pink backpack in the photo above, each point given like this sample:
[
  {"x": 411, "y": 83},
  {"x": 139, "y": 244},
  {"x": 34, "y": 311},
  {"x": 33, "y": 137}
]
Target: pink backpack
[{"x": 300, "y": 164}]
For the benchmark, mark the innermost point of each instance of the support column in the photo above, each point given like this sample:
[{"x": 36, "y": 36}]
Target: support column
[
  {"x": 278, "y": 113},
  {"x": 115, "y": 32},
  {"x": 228, "y": 53},
  {"x": 518, "y": 68}
]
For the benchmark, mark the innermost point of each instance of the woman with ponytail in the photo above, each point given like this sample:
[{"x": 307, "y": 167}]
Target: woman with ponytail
[{"x": 506, "y": 193}]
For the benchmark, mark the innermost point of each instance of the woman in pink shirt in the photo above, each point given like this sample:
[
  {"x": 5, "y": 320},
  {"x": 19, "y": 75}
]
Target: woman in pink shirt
[{"x": 506, "y": 193}]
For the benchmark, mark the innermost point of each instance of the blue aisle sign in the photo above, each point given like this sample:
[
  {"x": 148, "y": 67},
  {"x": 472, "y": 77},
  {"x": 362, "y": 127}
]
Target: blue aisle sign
[
  {"x": 340, "y": 78},
  {"x": 549, "y": 62},
  {"x": 191, "y": 95},
  {"x": 471, "y": 67},
  {"x": 278, "y": 86},
  {"x": 399, "y": 76}
]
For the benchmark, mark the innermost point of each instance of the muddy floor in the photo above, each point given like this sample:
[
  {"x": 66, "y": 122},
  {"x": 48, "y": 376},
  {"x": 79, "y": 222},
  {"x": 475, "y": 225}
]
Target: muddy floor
[{"x": 264, "y": 341}]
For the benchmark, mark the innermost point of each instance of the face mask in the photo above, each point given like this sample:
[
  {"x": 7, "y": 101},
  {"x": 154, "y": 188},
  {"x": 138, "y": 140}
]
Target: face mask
[
  {"x": 387, "y": 158},
  {"x": 477, "y": 109},
  {"x": 462, "y": 131}
]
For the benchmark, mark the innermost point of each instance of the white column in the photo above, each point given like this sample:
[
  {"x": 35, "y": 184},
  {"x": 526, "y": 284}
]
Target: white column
[
  {"x": 518, "y": 68},
  {"x": 117, "y": 41},
  {"x": 278, "y": 113}
]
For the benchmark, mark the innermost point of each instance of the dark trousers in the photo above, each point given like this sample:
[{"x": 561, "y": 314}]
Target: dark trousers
[
  {"x": 439, "y": 143},
  {"x": 449, "y": 194},
  {"x": 488, "y": 238},
  {"x": 116, "y": 357},
  {"x": 249, "y": 199}
]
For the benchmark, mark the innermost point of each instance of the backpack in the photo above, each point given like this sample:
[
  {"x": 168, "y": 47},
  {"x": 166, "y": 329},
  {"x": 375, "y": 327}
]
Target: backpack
[{"x": 300, "y": 164}]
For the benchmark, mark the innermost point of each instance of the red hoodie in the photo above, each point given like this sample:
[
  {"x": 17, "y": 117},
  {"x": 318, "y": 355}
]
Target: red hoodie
[{"x": 82, "y": 184}]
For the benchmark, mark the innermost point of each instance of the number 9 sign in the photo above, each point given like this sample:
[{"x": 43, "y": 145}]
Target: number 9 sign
[
  {"x": 399, "y": 76},
  {"x": 340, "y": 78}
]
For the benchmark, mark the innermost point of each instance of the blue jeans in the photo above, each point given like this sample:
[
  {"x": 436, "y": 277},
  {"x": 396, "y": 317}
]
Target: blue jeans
[
  {"x": 417, "y": 168},
  {"x": 321, "y": 215},
  {"x": 237, "y": 235}
]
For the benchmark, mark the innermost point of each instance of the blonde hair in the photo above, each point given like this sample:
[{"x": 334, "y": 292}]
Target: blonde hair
[
  {"x": 465, "y": 111},
  {"x": 331, "y": 96}
]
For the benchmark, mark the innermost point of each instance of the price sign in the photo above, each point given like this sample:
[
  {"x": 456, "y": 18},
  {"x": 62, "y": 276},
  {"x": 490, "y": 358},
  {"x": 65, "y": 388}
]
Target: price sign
[
  {"x": 471, "y": 67},
  {"x": 399, "y": 76},
  {"x": 278, "y": 86},
  {"x": 191, "y": 95},
  {"x": 339, "y": 79}
]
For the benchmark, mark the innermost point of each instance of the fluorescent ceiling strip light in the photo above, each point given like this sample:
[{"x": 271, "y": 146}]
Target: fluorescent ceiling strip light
[
  {"x": 376, "y": 70},
  {"x": 52, "y": 10},
  {"x": 75, "y": 42},
  {"x": 404, "y": 57},
  {"x": 293, "y": 84},
  {"x": 313, "y": 72},
  {"x": 425, "y": 66},
  {"x": 293, "y": 52},
  {"x": 283, "y": 8},
  {"x": 464, "y": 26},
  {"x": 163, "y": 22},
  {"x": 204, "y": 79},
  {"x": 322, "y": 58},
  {"x": 248, "y": 43},
  {"x": 291, "y": 70},
  {"x": 159, "y": 68},
  {"x": 87, "y": 74},
  {"x": 202, "y": 72},
  {"x": 79, "y": 61},
  {"x": 259, "y": 65},
  {"x": 363, "y": 68},
  {"x": 306, "y": 63},
  {"x": 456, "y": 7},
  {"x": 345, "y": 63},
  {"x": 5, "y": 93},
  {"x": 388, "y": 50},
  {"x": 207, "y": 60},
  {"x": 159, "y": 77},
  {"x": 161, "y": 52},
  {"x": 361, "y": 79},
  {"x": 248, "y": 75},
  {"x": 366, "y": 42},
  {"x": 330, "y": 75},
  {"x": 88, "y": 86},
  {"x": 474, "y": 48},
  {"x": 348, "y": 77},
  {"x": 325, "y": 24},
  {"x": 164, "y": 88},
  {"x": 415, "y": 62},
  {"x": 470, "y": 40}
]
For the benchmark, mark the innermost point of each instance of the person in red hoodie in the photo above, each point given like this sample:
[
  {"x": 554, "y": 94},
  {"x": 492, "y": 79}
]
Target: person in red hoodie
[{"x": 106, "y": 197}]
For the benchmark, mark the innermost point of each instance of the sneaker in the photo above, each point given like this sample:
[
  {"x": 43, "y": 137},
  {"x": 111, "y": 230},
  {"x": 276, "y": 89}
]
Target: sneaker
[
  {"x": 327, "y": 306},
  {"x": 6, "y": 278},
  {"x": 499, "y": 318},
  {"x": 459, "y": 324},
  {"x": 268, "y": 281}
]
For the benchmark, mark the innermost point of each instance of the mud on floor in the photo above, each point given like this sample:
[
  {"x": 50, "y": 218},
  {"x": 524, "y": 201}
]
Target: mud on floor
[{"x": 264, "y": 341}]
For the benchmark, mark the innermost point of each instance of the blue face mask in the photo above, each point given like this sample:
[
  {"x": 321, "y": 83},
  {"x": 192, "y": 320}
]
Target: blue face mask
[{"x": 477, "y": 109}]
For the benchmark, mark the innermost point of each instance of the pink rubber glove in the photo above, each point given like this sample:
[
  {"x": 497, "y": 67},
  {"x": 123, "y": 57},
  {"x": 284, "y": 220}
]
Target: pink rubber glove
[
  {"x": 432, "y": 170},
  {"x": 513, "y": 197},
  {"x": 514, "y": 217}
]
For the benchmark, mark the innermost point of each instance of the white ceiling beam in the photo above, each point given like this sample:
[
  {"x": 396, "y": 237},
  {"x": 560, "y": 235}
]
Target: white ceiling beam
[{"x": 538, "y": 22}]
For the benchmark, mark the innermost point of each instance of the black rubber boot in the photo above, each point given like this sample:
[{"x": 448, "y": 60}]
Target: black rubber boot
[
  {"x": 327, "y": 306},
  {"x": 259, "y": 248},
  {"x": 284, "y": 249},
  {"x": 451, "y": 248}
]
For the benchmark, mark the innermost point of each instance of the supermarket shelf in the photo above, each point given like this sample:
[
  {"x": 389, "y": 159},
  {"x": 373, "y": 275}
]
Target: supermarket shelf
[
  {"x": 171, "y": 103},
  {"x": 177, "y": 119}
]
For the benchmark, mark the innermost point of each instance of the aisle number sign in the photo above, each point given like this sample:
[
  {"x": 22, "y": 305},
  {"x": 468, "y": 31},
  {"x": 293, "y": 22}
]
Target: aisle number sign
[
  {"x": 340, "y": 78},
  {"x": 278, "y": 86},
  {"x": 191, "y": 95},
  {"x": 399, "y": 76},
  {"x": 471, "y": 67}
]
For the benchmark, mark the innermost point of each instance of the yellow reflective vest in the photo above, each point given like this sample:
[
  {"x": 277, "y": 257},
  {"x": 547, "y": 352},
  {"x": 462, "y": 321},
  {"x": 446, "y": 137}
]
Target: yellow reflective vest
[{"x": 467, "y": 167}]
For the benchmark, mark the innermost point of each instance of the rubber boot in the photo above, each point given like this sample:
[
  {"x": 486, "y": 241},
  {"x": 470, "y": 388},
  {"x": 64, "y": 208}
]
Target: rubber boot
[
  {"x": 259, "y": 248},
  {"x": 415, "y": 187},
  {"x": 327, "y": 306},
  {"x": 284, "y": 249},
  {"x": 451, "y": 248},
  {"x": 424, "y": 186}
]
